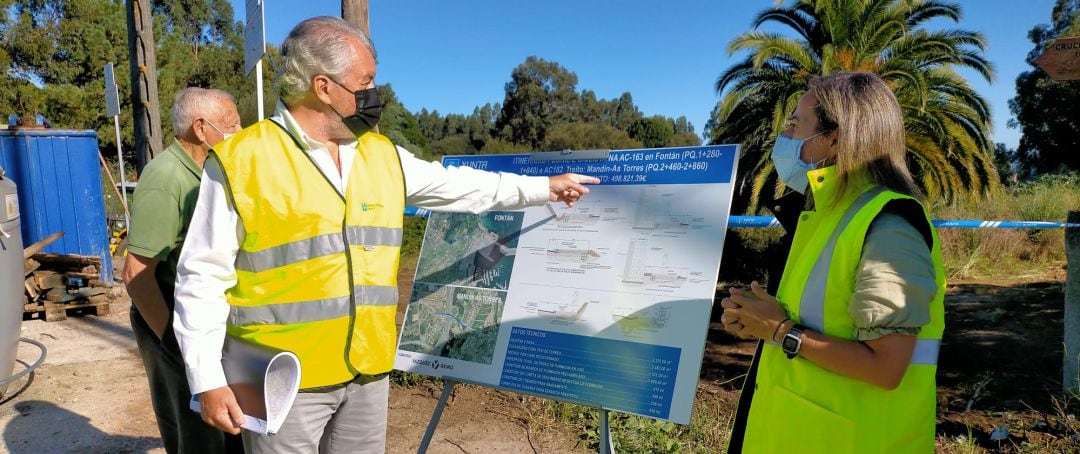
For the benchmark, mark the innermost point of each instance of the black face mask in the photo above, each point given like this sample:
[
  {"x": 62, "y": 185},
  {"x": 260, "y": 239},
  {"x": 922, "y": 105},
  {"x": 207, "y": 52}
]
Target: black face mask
[{"x": 368, "y": 110}]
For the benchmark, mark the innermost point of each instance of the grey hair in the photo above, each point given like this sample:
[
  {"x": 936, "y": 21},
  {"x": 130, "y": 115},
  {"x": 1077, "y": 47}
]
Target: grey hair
[
  {"x": 195, "y": 102},
  {"x": 319, "y": 45}
]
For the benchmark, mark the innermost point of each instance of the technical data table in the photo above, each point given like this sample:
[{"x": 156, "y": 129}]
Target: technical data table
[{"x": 632, "y": 376}]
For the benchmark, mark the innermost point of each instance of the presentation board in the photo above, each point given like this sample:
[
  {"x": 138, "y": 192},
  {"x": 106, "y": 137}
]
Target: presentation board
[{"x": 606, "y": 303}]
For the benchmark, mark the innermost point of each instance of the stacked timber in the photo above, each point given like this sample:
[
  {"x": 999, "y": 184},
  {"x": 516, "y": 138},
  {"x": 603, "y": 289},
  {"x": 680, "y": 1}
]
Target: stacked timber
[{"x": 58, "y": 283}]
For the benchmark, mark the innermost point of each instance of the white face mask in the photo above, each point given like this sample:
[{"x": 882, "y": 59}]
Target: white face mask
[
  {"x": 787, "y": 158},
  {"x": 225, "y": 135}
]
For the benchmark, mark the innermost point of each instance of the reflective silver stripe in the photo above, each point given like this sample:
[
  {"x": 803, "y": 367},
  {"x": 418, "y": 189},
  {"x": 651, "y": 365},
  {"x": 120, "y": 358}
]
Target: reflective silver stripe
[
  {"x": 812, "y": 306},
  {"x": 288, "y": 253},
  {"x": 373, "y": 236},
  {"x": 319, "y": 246},
  {"x": 926, "y": 352},
  {"x": 312, "y": 311}
]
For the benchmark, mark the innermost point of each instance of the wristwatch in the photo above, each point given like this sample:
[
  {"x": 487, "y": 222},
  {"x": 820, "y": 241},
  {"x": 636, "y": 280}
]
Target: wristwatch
[{"x": 792, "y": 341}]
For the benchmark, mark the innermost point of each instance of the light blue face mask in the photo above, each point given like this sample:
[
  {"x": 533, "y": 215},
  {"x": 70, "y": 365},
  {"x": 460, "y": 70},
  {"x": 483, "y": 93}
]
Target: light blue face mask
[{"x": 790, "y": 168}]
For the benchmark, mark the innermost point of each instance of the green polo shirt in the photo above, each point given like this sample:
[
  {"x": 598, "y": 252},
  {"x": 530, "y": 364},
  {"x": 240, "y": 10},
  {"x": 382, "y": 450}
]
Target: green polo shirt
[{"x": 161, "y": 209}]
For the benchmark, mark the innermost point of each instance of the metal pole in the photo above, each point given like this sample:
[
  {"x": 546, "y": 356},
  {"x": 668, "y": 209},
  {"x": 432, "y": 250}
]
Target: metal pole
[
  {"x": 123, "y": 180},
  {"x": 1071, "y": 368},
  {"x": 259, "y": 87},
  {"x": 448, "y": 387},
  {"x": 606, "y": 445}
]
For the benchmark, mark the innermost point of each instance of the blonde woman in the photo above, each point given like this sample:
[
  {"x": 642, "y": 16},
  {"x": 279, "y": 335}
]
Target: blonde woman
[{"x": 852, "y": 335}]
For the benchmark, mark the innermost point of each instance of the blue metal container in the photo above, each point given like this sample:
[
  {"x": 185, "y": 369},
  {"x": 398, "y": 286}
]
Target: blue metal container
[{"x": 59, "y": 179}]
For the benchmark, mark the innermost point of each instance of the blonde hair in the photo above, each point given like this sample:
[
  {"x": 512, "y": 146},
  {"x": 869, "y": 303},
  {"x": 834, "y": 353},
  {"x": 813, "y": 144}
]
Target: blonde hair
[{"x": 869, "y": 127}]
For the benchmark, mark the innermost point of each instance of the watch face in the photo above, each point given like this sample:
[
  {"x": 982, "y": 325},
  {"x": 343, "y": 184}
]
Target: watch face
[{"x": 789, "y": 343}]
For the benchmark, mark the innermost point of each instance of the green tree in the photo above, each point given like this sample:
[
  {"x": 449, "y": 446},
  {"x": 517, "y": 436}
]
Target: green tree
[
  {"x": 1005, "y": 162},
  {"x": 541, "y": 99},
  {"x": 947, "y": 122},
  {"x": 652, "y": 132},
  {"x": 659, "y": 131},
  {"x": 54, "y": 53},
  {"x": 620, "y": 113},
  {"x": 684, "y": 134},
  {"x": 540, "y": 93},
  {"x": 452, "y": 145},
  {"x": 432, "y": 125},
  {"x": 1045, "y": 110},
  {"x": 499, "y": 146},
  {"x": 587, "y": 136},
  {"x": 399, "y": 124},
  {"x": 200, "y": 45}
]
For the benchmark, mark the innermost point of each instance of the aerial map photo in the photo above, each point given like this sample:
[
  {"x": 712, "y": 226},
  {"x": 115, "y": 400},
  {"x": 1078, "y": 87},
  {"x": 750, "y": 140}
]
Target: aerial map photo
[
  {"x": 453, "y": 322},
  {"x": 470, "y": 250}
]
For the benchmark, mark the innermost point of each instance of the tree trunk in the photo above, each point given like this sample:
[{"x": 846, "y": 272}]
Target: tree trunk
[
  {"x": 144, "y": 89},
  {"x": 356, "y": 12}
]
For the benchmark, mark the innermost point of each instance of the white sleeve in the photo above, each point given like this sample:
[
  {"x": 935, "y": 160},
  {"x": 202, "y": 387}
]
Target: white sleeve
[
  {"x": 464, "y": 189},
  {"x": 206, "y": 270}
]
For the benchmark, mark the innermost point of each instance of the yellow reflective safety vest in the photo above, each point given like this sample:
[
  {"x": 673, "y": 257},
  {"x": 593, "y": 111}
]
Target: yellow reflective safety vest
[
  {"x": 316, "y": 271},
  {"x": 800, "y": 407}
]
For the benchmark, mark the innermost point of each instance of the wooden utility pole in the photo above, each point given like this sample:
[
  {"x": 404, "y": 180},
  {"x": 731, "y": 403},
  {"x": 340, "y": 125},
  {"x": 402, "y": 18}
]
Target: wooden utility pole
[
  {"x": 356, "y": 12},
  {"x": 144, "y": 89},
  {"x": 1071, "y": 368}
]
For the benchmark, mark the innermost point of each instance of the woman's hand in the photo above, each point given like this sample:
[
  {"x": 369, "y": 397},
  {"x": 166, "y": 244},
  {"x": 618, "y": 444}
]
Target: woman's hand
[{"x": 752, "y": 314}]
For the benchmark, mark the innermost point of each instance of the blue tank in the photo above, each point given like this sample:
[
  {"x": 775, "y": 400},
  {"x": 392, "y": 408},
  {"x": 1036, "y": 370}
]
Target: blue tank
[{"x": 58, "y": 175}]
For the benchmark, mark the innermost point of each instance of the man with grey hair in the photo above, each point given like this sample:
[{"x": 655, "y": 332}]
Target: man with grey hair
[
  {"x": 160, "y": 212},
  {"x": 298, "y": 239}
]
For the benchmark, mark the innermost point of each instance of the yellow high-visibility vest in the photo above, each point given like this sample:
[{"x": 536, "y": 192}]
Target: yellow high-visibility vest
[
  {"x": 316, "y": 271},
  {"x": 797, "y": 405}
]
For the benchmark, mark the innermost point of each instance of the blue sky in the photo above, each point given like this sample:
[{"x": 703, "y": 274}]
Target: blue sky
[{"x": 452, "y": 56}]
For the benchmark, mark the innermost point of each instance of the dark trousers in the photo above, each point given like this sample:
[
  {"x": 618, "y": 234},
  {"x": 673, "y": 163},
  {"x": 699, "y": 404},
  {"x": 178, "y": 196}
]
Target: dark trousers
[{"x": 182, "y": 430}]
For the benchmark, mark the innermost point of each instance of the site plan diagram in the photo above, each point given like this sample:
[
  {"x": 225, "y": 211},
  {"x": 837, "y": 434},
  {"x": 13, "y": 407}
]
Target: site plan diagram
[{"x": 606, "y": 302}]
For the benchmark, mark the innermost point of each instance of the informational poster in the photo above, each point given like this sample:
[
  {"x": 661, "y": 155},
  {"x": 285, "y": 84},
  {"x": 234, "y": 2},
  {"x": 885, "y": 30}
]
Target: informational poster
[{"x": 605, "y": 303}]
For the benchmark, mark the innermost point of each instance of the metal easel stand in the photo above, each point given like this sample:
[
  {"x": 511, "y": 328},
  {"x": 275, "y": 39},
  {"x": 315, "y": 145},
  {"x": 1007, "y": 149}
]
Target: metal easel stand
[
  {"x": 606, "y": 444},
  {"x": 448, "y": 388}
]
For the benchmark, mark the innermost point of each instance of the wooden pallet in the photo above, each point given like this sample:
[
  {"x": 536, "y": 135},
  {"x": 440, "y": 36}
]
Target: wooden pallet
[
  {"x": 54, "y": 312},
  {"x": 56, "y": 284}
]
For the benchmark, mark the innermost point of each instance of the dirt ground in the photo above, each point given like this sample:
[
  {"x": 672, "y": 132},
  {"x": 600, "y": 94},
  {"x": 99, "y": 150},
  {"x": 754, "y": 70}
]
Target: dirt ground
[{"x": 1000, "y": 367}]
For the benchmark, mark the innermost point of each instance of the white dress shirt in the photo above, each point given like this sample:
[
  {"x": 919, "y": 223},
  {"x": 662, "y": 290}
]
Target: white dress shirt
[{"x": 207, "y": 262}]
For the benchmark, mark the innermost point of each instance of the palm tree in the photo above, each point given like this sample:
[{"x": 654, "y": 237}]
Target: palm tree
[{"x": 948, "y": 124}]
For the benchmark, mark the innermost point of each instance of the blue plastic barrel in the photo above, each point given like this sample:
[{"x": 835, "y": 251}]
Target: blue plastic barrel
[{"x": 59, "y": 179}]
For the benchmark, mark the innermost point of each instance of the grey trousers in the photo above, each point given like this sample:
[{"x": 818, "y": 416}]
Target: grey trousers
[
  {"x": 182, "y": 430},
  {"x": 348, "y": 419}
]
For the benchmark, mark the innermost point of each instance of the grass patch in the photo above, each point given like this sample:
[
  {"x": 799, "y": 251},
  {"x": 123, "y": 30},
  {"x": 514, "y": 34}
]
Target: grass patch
[
  {"x": 708, "y": 431},
  {"x": 998, "y": 253}
]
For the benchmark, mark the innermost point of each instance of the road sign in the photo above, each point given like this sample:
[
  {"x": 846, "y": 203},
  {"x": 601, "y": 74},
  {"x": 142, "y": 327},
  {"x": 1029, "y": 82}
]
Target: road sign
[
  {"x": 1061, "y": 59},
  {"x": 112, "y": 97},
  {"x": 254, "y": 35}
]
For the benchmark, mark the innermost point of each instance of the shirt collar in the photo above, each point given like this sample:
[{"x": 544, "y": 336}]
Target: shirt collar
[
  {"x": 283, "y": 117},
  {"x": 825, "y": 184},
  {"x": 178, "y": 151}
]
